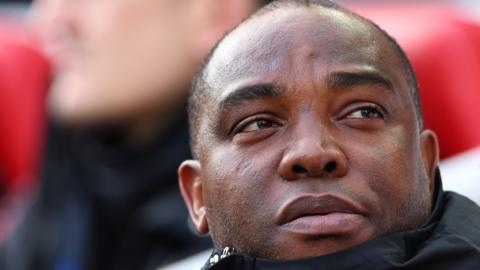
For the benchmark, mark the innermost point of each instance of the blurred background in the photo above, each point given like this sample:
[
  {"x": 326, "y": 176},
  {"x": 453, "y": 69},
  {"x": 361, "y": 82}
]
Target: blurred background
[{"x": 88, "y": 165}]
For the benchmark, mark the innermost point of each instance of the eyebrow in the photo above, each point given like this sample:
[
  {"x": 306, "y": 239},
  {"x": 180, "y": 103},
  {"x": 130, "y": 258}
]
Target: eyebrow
[
  {"x": 250, "y": 92},
  {"x": 351, "y": 79},
  {"x": 333, "y": 80}
]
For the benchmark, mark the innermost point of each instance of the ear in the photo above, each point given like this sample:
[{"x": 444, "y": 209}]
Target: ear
[
  {"x": 212, "y": 18},
  {"x": 191, "y": 188},
  {"x": 430, "y": 154}
]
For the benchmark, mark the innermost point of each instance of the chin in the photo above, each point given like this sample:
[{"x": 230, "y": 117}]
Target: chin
[{"x": 303, "y": 247}]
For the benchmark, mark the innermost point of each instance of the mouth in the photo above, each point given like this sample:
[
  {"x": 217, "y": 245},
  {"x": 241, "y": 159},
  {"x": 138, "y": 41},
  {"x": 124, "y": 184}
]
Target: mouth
[{"x": 323, "y": 215}]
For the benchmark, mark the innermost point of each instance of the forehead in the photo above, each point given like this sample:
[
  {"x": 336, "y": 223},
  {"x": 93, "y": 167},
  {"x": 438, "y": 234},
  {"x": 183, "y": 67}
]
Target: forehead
[{"x": 295, "y": 39}]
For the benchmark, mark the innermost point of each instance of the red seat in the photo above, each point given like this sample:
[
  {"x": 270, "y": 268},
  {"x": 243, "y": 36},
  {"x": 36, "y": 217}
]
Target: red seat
[
  {"x": 24, "y": 76},
  {"x": 443, "y": 45}
]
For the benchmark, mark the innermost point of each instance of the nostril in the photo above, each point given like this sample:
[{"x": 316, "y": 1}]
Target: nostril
[
  {"x": 330, "y": 167},
  {"x": 297, "y": 169}
]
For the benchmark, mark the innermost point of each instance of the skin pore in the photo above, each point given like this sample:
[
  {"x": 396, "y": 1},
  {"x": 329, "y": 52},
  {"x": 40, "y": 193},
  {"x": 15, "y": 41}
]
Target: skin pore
[{"x": 310, "y": 144}]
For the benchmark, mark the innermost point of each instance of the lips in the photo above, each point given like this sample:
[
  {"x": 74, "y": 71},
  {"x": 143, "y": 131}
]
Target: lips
[{"x": 322, "y": 214}]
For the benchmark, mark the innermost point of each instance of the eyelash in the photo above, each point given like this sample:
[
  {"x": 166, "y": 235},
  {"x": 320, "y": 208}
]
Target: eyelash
[
  {"x": 377, "y": 109},
  {"x": 238, "y": 128}
]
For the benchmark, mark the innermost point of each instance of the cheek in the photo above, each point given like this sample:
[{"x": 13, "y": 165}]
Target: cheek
[
  {"x": 388, "y": 166},
  {"x": 238, "y": 175},
  {"x": 238, "y": 192},
  {"x": 137, "y": 44}
]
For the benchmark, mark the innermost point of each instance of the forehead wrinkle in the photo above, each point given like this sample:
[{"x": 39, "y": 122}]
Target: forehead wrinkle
[
  {"x": 265, "y": 45},
  {"x": 261, "y": 43}
]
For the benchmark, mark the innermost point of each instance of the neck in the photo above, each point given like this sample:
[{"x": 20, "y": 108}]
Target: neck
[{"x": 140, "y": 130}]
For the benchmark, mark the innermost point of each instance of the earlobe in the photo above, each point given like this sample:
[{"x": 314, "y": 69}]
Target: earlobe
[
  {"x": 191, "y": 187},
  {"x": 430, "y": 154}
]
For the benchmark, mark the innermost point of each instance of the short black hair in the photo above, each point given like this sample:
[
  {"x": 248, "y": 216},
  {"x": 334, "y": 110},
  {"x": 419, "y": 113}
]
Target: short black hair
[{"x": 198, "y": 92}]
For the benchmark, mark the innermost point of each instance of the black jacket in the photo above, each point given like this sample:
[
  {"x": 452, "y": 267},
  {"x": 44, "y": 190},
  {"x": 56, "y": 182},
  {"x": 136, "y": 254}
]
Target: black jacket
[
  {"x": 104, "y": 205},
  {"x": 450, "y": 239}
]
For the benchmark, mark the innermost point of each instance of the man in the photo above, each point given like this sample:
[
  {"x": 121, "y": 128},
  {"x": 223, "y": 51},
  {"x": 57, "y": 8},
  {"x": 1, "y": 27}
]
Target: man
[
  {"x": 108, "y": 197},
  {"x": 310, "y": 151}
]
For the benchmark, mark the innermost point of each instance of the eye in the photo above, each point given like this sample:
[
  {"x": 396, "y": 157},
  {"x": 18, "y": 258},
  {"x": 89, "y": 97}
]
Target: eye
[
  {"x": 256, "y": 124},
  {"x": 256, "y": 128},
  {"x": 370, "y": 111}
]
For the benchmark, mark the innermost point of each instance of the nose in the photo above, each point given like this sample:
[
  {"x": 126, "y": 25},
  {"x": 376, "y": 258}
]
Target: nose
[{"x": 313, "y": 156}]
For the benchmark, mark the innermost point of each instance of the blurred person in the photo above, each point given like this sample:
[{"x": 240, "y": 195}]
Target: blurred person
[
  {"x": 311, "y": 152},
  {"x": 118, "y": 130}
]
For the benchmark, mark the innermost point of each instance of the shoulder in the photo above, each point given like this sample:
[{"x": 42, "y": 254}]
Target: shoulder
[{"x": 461, "y": 218}]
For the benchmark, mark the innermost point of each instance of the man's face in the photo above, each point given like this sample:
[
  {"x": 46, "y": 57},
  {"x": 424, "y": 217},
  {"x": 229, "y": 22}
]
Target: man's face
[
  {"x": 310, "y": 144},
  {"x": 115, "y": 59}
]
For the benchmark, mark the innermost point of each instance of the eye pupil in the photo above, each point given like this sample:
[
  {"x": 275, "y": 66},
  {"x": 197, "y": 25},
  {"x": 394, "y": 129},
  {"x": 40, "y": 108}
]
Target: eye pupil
[
  {"x": 369, "y": 113},
  {"x": 261, "y": 123}
]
